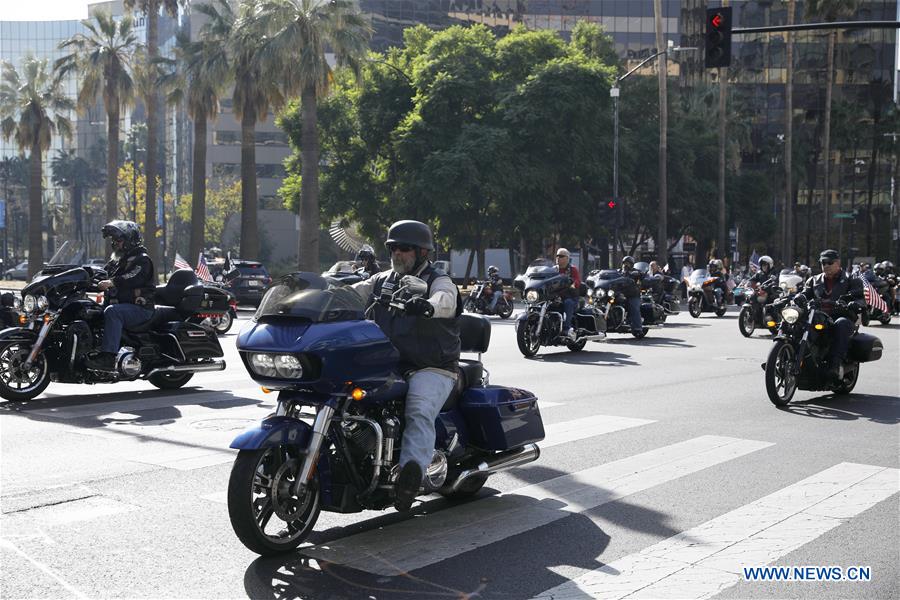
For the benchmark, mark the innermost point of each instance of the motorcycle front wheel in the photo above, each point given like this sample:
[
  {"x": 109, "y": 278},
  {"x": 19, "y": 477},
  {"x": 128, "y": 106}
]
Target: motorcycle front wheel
[
  {"x": 505, "y": 311},
  {"x": 694, "y": 308},
  {"x": 17, "y": 382},
  {"x": 746, "y": 322},
  {"x": 527, "y": 336},
  {"x": 265, "y": 515},
  {"x": 780, "y": 380}
]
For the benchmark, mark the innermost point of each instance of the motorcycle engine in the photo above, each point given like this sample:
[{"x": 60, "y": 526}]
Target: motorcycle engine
[
  {"x": 128, "y": 362},
  {"x": 360, "y": 440}
]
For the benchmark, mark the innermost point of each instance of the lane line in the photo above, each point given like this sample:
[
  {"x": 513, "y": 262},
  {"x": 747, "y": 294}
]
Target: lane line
[
  {"x": 69, "y": 587},
  {"x": 704, "y": 560},
  {"x": 429, "y": 539}
]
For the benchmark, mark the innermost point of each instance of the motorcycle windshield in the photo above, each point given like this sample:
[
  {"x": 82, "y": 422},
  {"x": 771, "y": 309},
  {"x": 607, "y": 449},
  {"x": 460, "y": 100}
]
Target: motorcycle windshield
[
  {"x": 698, "y": 276},
  {"x": 315, "y": 304},
  {"x": 541, "y": 268},
  {"x": 341, "y": 266},
  {"x": 70, "y": 253}
]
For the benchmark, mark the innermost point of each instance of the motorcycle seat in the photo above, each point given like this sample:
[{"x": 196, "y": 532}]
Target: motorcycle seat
[
  {"x": 469, "y": 374},
  {"x": 161, "y": 314},
  {"x": 171, "y": 293}
]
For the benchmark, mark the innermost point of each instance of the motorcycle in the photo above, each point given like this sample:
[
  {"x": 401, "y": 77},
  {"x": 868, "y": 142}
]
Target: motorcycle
[
  {"x": 59, "y": 325},
  {"x": 608, "y": 290},
  {"x": 479, "y": 301},
  {"x": 220, "y": 322},
  {"x": 883, "y": 289},
  {"x": 798, "y": 358},
  {"x": 741, "y": 290},
  {"x": 333, "y": 442},
  {"x": 759, "y": 310},
  {"x": 541, "y": 323},
  {"x": 703, "y": 296},
  {"x": 345, "y": 272},
  {"x": 790, "y": 282}
]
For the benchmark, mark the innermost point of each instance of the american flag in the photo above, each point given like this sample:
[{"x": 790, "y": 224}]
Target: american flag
[
  {"x": 180, "y": 263},
  {"x": 203, "y": 269},
  {"x": 873, "y": 299}
]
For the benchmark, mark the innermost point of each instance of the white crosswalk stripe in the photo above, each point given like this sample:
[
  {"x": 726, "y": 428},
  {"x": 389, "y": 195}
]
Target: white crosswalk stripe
[
  {"x": 703, "y": 561},
  {"x": 416, "y": 543}
]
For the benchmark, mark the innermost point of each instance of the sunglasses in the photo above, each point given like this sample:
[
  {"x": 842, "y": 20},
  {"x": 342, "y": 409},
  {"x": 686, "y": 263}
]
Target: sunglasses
[
  {"x": 561, "y": 256},
  {"x": 401, "y": 248}
]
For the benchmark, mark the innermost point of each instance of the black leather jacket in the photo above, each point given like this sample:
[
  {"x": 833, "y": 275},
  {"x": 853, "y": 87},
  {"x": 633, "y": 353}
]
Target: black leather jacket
[
  {"x": 133, "y": 277},
  {"x": 843, "y": 285},
  {"x": 761, "y": 278}
]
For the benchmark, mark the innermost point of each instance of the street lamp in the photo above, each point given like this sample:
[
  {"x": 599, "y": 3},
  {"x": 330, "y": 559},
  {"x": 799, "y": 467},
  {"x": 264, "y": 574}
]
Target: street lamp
[{"x": 614, "y": 94}]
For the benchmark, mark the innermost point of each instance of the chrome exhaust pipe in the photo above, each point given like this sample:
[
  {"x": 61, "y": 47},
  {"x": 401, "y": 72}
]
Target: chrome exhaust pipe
[
  {"x": 595, "y": 338},
  {"x": 217, "y": 365},
  {"x": 501, "y": 462}
]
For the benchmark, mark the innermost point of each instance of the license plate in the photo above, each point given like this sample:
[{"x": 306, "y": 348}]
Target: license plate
[{"x": 253, "y": 283}]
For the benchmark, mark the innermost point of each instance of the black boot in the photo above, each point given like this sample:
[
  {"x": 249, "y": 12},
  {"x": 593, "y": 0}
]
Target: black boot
[
  {"x": 102, "y": 361},
  {"x": 407, "y": 486}
]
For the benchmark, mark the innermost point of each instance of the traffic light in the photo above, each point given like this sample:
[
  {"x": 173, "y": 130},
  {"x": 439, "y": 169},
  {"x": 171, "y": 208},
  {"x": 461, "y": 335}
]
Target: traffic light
[
  {"x": 718, "y": 37},
  {"x": 612, "y": 213}
]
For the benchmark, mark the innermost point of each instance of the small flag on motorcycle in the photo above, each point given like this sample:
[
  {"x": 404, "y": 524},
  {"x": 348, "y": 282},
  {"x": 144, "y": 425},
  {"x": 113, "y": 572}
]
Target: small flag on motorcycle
[
  {"x": 203, "y": 269},
  {"x": 180, "y": 263},
  {"x": 872, "y": 297}
]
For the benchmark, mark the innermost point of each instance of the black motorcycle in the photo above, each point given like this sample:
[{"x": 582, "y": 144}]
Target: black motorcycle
[
  {"x": 345, "y": 272},
  {"x": 482, "y": 295},
  {"x": 59, "y": 325},
  {"x": 541, "y": 323},
  {"x": 704, "y": 295},
  {"x": 220, "y": 322},
  {"x": 608, "y": 290},
  {"x": 760, "y": 310},
  {"x": 798, "y": 360}
]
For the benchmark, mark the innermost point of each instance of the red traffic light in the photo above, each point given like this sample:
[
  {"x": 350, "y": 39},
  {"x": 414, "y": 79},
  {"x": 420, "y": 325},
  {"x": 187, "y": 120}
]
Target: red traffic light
[
  {"x": 717, "y": 20},
  {"x": 611, "y": 204}
]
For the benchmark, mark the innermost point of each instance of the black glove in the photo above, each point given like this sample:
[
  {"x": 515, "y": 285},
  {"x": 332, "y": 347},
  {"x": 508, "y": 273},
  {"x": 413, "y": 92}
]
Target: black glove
[{"x": 419, "y": 307}]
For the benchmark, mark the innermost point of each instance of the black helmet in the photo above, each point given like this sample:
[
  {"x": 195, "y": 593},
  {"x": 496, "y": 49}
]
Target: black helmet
[
  {"x": 412, "y": 233},
  {"x": 492, "y": 270},
  {"x": 123, "y": 230},
  {"x": 629, "y": 260},
  {"x": 365, "y": 253}
]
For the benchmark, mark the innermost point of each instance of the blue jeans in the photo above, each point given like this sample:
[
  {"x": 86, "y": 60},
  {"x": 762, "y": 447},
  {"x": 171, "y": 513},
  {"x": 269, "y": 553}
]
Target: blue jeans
[
  {"x": 117, "y": 317},
  {"x": 427, "y": 393},
  {"x": 634, "y": 313},
  {"x": 569, "y": 306},
  {"x": 497, "y": 295}
]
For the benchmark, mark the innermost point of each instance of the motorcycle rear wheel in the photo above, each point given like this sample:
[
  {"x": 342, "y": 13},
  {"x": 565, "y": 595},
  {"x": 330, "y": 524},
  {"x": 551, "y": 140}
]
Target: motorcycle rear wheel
[
  {"x": 258, "y": 486},
  {"x": 885, "y": 318},
  {"x": 694, "y": 308},
  {"x": 848, "y": 383},
  {"x": 170, "y": 381},
  {"x": 529, "y": 341},
  {"x": 746, "y": 322},
  {"x": 15, "y": 384},
  {"x": 576, "y": 346},
  {"x": 643, "y": 333},
  {"x": 720, "y": 312},
  {"x": 225, "y": 323},
  {"x": 780, "y": 381}
]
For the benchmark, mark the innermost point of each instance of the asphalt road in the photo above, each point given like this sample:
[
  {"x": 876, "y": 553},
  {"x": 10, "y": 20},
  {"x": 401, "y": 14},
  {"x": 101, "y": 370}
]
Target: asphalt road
[{"x": 665, "y": 472}]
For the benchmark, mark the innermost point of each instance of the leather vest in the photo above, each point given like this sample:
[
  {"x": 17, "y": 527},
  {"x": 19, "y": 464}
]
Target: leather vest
[{"x": 422, "y": 342}]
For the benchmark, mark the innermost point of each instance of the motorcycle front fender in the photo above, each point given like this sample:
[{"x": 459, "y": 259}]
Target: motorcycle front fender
[
  {"x": 274, "y": 431},
  {"x": 18, "y": 334}
]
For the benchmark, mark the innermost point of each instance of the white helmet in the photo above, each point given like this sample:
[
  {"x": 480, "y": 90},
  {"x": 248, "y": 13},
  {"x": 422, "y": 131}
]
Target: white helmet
[{"x": 765, "y": 259}]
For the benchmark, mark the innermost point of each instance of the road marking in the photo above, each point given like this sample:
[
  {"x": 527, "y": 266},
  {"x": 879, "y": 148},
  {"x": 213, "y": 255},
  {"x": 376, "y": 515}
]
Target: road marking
[
  {"x": 419, "y": 542},
  {"x": 80, "y": 509},
  {"x": 579, "y": 429},
  {"x": 68, "y": 586},
  {"x": 703, "y": 561}
]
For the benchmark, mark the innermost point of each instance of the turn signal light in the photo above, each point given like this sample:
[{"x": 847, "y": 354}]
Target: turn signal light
[
  {"x": 358, "y": 394},
  {"x": 770, "y": 323},
  {"x": 22, "y": 319},
  {"x": 266, "y": 390},
  {"x": 819, "y": 327}
]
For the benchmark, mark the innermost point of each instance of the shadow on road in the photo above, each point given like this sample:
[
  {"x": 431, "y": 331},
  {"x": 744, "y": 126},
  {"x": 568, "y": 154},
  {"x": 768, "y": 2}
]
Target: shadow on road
[
  {"x": 597, "y": 358},
  {"x": 878, "y": 409},
  {"x": 651, "y": 340}
]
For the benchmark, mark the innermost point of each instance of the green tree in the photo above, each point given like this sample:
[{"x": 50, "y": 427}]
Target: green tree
[
  {"x": 300, "y": 33},
  {"x": 103, "y": 60},
  {"x": 34, "y": 108},
  {"x": 222, "y": 201},
  {"x": 78, "y": 175}
]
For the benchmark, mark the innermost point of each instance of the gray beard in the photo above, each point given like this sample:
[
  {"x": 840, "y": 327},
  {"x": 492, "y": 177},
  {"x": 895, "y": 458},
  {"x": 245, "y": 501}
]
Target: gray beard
[{"x": 402, "y": 266}]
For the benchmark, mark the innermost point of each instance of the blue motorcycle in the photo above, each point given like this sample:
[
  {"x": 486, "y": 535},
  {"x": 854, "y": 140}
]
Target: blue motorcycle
[{"x": 334, "y": 440}]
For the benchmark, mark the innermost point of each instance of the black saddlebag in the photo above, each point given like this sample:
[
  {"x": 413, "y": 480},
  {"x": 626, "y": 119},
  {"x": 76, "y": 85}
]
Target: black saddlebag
[
  {"x": 865, "y": 348},
  {"x": 501, "y": 418},
  {"x": 187, "y": 341},
  {"x": 201, "y": 299}
]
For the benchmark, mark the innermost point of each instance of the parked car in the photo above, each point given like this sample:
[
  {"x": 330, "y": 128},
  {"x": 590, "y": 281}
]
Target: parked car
[
  {"x": 247, "y": 280},
  {"x": 20, "y": 272}
]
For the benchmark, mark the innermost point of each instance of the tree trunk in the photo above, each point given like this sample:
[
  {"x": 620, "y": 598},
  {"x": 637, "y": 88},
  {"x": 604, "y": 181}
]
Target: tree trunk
[
  {"x": 198, "y": 185},
  {"x": 77, "y": 202},
  {"x": 150, "y": 240},
  {"x": 35, "y": 233},
  {"x": 309, "y": 188},
  {"x": 870, "y": 181},
  {"x": 112, "y": 156},
  {"x": 722, "y": 240},
  {"x": 662, "y": 236},
  {"x": 249, "y": 204},
  {"x": 829, "y": 84},
  {"x": 787, "y": 237}
]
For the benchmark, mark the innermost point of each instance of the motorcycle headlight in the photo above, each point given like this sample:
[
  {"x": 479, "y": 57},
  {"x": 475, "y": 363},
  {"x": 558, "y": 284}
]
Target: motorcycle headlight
[
  {"x": 263, "y": 364},
  {"x": 590, "y": 292},
  {"x": 288, "y": 366},
  {"x": 790, "y": 314},
  {"x": 42, "y": 303},
  {"x": 29, "y": 303},
  {"x": 531, "y": 296}
]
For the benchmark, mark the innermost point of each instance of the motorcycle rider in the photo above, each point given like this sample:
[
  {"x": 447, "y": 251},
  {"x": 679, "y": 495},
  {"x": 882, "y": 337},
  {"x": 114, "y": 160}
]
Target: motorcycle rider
[
  {"x": 426, "y": 334},
  {"x": 633, "y": 295},
  {"x": 365, "y": 260},
  {"x": 496, "y": 284},
  {"x": 128, "y": 293},
  {"x": 569, "y": 295},
  {"x": 765, "y": 272},
  {"x": 828, "y": 287},
  {"x": 720, "y": 287}
]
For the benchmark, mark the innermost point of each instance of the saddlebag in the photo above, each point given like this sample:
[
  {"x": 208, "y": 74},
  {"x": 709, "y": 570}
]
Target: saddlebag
[
  {"x": 865, "y": 348},
  {"x": 188, "y": 341},
  {"x": 501, "y": 418},
  {"x": 201, "y": 299}
]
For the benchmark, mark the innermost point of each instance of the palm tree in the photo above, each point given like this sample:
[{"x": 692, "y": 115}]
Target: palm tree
[
  {"x": 201, "y": 72},
  {"x": 103, "y": 59},
  {"x": 829, "y": 10},
  {"x": 662, "y": 243},
  {"x": 151, "y": 100},
  {"x": 301, "y": 30},
  {"x": 33, "y": 106},
  {"x": 787, "y": 235},
  {"x": 77, "y": 174}
]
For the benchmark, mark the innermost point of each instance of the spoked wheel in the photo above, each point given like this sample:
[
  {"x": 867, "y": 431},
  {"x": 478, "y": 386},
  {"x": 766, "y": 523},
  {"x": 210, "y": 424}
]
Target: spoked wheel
[
  {"x": 746, "y": 322},
  {"x": 224, "y": 323},
  {"x": 18, "y": 382},
  {"x": 694, "y": 308},
  {"x": 780, "y": 380},
  {"x": 506, "y": 310},
  {"x": 851, "y": 376},
  {"x": 528, "y": 337},
  {"x": 265, "y": 515}
]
